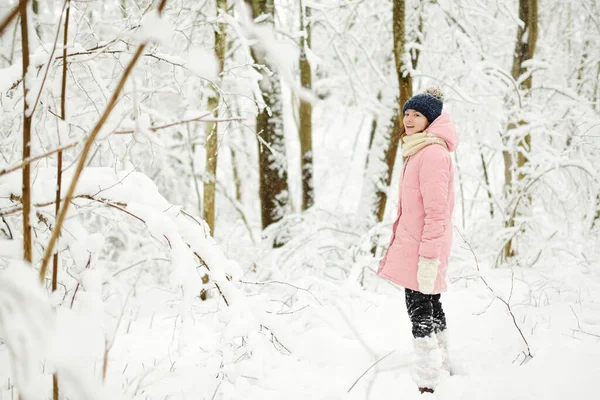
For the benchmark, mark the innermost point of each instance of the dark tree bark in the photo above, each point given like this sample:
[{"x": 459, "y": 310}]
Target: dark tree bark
[
  {"x": 273, "y": 188},
  {"x": 524, "y": 50},
  {"x": 305, "y": 130},
  {"x": 390, "y": 130},
  {"x": 26, "y": 183}
]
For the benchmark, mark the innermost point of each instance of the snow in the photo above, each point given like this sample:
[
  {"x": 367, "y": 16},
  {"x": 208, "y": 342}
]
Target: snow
[
  {"x": 22, "y": 302},
  {"x": 155, "y": 28},
  {"x": 309, "y": 320},
  {"x": 203, "y": 63},
  {"x": 334, "y": 344},
  {"x": 9, "y": 76},
  {"x": 11, "y": 249},
  {"x": 327, "y": 336}
]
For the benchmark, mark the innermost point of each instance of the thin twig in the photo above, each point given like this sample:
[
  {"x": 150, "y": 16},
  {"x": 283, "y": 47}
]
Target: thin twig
[
  {"x": 216, "y": 390},
  {"x": 282, "y": 283},
  {"x": 30, "y": 160},
  {"x": 238, "y": 207},
  {"x": 139, "y": 263},
  {"x": 216, "y": 284},
  {"x": 368, "y": 369},
  {"x": 10, "y": 235},
  {"x": 200, "y": 118},
  {"x": 37, "y": 99},
  {"x": 579, "y": 325},
  {"x": 6, "y": 21},
  {"x": 109, "y": 346},
  {"x": 15, "y": 197},
  {"x": 87, "y": 265},
  {"x": 528, "y": 353}
]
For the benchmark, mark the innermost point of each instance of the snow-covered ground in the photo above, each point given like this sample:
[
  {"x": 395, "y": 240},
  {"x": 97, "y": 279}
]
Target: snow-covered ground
[
  {"x": 332, "y": 334},
  {"x": 333, "y": 343}
]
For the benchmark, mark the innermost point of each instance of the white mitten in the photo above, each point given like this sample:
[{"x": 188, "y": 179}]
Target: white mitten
[{"x": 426, "y": 273}]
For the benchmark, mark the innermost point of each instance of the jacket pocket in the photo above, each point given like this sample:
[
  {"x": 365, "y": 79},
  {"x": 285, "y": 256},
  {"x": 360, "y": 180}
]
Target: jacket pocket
[{"x": 408, "y": 235}]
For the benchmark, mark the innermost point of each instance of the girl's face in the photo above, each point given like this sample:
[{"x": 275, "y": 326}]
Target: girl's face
[{"x": 414, "y": 122}]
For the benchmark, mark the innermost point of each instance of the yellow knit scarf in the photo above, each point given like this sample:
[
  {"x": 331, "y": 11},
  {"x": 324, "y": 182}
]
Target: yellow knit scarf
[{"x": 414, "y": 143}]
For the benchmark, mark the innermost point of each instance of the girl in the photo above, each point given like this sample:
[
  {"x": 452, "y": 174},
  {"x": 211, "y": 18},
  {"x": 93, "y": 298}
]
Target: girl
[{"x": 417, "y": 257}]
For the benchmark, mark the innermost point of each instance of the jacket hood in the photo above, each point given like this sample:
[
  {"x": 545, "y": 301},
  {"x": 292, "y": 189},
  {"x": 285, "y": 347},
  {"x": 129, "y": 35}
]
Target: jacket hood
[{"x": 444, "y": 128}]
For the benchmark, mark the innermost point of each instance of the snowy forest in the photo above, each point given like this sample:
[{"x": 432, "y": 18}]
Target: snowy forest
[{"x": 196, "y": 195}]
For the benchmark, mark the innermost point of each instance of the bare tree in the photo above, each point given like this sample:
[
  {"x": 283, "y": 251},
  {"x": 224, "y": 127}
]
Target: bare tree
[
  {"x": 26, "y": 185},
  {"x": 273, "y": 188},
  {"x": 305, "y": 129},
  {"x": 210, "y": 177},
  {"x": 527, "y": 34},
  {"x": 395, "y": 130},
  {"x": 387, "y": 133},
  {"x": 63, "y": 116}
]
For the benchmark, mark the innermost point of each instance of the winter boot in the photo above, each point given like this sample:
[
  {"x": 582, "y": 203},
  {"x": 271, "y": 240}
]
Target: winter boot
[
  {"x": 442, "y": 338},
  {"x": 426, "y": 372}
]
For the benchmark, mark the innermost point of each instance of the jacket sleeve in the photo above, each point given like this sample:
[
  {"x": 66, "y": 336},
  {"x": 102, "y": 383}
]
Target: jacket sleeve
[{"x": 434, "y": 179}]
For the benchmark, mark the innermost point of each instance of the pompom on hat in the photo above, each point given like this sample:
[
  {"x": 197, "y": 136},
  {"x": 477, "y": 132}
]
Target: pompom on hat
[{"x": 429, "y": 103}]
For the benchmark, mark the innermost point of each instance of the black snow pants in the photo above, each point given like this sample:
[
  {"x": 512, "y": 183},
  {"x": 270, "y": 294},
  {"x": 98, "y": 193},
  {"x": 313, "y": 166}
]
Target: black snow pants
[{"x": 425, "y": 312}]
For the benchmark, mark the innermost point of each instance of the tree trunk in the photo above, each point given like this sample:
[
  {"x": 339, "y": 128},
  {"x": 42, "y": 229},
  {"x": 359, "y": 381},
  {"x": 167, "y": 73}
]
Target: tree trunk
[
  {"x": 305, "y": 131},
  {"x": 405, "y": 92},
  {"x": 524, "y": 50},
  {"x": 63, "y": 115},
  {"x": 26, "y": 183},
  {"x": 273, "y": 188},
  {"x": 393, "y": 137},
  {"x": 210, "y": 175},
  {"x": 384, "y": 150}
]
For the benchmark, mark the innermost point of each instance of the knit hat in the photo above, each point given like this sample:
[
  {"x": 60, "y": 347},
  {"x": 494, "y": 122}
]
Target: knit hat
[{"x": 429, "y": 104}]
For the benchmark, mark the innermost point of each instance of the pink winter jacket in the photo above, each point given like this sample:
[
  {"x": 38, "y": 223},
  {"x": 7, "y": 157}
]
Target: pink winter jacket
[{"x": 423, "y": 226}]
